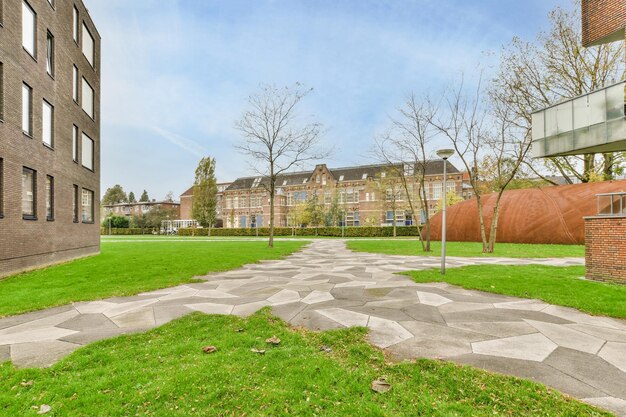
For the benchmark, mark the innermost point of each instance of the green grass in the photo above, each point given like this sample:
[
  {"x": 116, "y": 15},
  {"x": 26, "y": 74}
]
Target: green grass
[
  {"x": 165, "y": 373},
  {"x": 127, "y": 268},
  {"x": 512, "y": 250},
  {"x": 552, "y": 284}
]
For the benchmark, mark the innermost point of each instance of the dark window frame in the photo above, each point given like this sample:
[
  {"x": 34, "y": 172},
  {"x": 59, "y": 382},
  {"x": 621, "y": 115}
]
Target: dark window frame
[
  {"x": 1, "y": 88},
  {"x": 50, "y": 58},
  {"x": 76, "y": 84},
  {"x": 30, "y": 110},
  {"x": 51, "y": 145},
  {"x": 92, "y": 214},
  {"x": 76, "y": 190},
  {"x": 93, "y": 152},
  {"x": 75, "y": 142},
  {"x": 1, "y": 186},
  {"x": 50, "y": 196},
  {"x": 76, "y": 25},
  {"x": 32, "y": 216},
  {"x": 34, "y": 54}
]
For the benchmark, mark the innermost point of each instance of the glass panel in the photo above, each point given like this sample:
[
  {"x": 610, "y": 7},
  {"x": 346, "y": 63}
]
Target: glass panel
[
  {"x": 87, "y": 98},
  {"x": 537, "y": 123},
  {"x": 28, "y": 192},
  {"x": 88, "y": 45},
  {"x": 597, "y": 107},
  {"x": 74, "y": 143},
  {"x": 75, "y": 24},
  {"x": 75, "y": 84},
  {"x": 551, "y": 122},
  {"x": 28, "y": 28},
  {"x": 581, "y": 112},
  {"x": 615, "y": 102},
  {"x": 26, "y": 109},
  {"x": 46, "y": 120},
  {"x": 87, "y": 203},
  {"x": 564, "y": 117},
  {"x": 87, "y": 152}
]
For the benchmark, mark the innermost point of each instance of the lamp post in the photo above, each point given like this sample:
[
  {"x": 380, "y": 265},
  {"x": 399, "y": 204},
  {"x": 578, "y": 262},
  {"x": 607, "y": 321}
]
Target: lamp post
[{"x": 444, "y": 154}]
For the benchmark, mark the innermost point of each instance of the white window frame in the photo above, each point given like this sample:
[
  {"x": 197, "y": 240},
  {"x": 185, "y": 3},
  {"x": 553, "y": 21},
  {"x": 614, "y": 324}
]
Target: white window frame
[
  {"x": 47, "y": 124},
  {"x": 27, "y": 109},
  {"x": 89, "y": 46},
  {"x": 87, "y": 152},
  {"x": 88, "y": 98},
  {"x": 29, "y": 29}
]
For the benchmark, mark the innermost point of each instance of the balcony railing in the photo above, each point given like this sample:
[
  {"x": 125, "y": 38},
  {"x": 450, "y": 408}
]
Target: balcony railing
[
  {"x": 612, "y": 204},
  {"x": 592, "y": 123}
]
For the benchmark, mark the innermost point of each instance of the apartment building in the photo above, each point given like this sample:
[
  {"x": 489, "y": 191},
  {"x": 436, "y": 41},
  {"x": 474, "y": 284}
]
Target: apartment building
[
  {"x": 186, "y": 202},
  {"x": 49, "y": 133},
  {"x": 365, "y": 195},
  {"x": 142, "y": 207}
]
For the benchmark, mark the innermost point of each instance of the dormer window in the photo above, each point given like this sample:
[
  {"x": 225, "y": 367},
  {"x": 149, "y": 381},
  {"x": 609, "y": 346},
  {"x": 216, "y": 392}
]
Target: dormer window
[
  {"x": 364, "y": 177},
  {"x": 304, "y": 181},
  {"x": 284, "y": 182},
  {"x": 256, "y": 182},
  {"x": 341, "y": 178},
  {"x": 383, "y": 174}
]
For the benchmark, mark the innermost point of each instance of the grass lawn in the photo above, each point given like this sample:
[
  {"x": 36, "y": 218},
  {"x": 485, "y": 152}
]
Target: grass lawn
[
  {"x": 510, "y": 250},
  {"x": 127, "y": 268},
  {"x": 553, "y": 284},
  {"x": 165, "y": 373}
]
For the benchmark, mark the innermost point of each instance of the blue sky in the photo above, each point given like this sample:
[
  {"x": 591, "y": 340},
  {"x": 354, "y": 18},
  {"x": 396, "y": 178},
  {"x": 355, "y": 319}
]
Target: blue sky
[{"x": 176, "y": 73}]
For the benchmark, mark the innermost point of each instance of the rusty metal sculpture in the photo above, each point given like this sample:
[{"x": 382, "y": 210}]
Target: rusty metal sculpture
[{"x": 535, "y": 215}]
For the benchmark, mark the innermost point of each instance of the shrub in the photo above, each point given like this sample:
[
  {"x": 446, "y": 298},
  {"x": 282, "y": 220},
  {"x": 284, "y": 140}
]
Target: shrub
[
  {"x": 333, "y": 231},
  {"x": 127, "y": 231},
  {"x": 117, "y": 222}
]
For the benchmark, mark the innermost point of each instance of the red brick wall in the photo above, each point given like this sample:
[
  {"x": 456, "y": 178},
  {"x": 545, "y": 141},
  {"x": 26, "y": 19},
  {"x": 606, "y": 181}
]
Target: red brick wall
[
  {"x": 602, "y": 18},
  {"x": 605, "y": 243}
]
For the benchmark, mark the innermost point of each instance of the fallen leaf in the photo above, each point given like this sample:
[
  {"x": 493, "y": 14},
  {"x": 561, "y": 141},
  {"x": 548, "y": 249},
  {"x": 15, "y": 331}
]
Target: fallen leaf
[
  {"x": 381, "y": 385},
  {"x": 259, "y": 351},
  {"x": 27, "y": 383},
  {"x": 273, "y": 340},
  {"x": 45, "y": 408},
  {"x": 209, "y": 349},
  {"x": 326, "y": 349},
  {"x": 239, "y": 330}
]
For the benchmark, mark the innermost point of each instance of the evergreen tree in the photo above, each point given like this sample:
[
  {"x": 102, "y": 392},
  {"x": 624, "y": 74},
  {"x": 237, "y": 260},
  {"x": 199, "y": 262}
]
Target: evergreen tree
[
  {"x": 144, "y": 197},
  {"x": 131, "y": 197},
  {"x": 204, "y": 203},
  {"x": 114, "y": 195}
]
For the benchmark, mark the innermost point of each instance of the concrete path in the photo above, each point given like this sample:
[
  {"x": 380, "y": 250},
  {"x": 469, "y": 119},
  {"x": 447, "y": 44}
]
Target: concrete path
[{"x": 326, "y": 286}]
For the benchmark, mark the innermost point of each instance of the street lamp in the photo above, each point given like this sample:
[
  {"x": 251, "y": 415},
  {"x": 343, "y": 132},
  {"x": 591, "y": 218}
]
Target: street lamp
[{"x": 444, "y": 154}]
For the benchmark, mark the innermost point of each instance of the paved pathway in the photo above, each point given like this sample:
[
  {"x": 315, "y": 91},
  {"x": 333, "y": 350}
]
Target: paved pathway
[{"x": 326, "y": 286}]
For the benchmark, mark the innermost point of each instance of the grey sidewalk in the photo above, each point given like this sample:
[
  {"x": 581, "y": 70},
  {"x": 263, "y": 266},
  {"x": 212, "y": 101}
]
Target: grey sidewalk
[{"x": 326, "y": 286}]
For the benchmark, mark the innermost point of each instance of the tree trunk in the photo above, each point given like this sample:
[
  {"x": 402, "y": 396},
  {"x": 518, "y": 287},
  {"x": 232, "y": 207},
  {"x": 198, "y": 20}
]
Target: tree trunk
[
  {"x": 272, "y": 185},
  {"x": 394, "y": 222},
  {"x": 493, "y": 232},
  {"x": 209, "y": 230},
  {"x": 481, "y": 220},
  {"x": 426, "y": 234},
  {"x": 609, "y": 160},
  {"x": 588, "y": 167}
]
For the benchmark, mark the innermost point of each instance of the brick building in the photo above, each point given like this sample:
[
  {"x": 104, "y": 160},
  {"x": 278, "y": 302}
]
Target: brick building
[
  {"x": 366, "y": 195},
  {"x": 603, "y": 21},
  {"x": 142, "y": 207},
  {"x": 49, "y": 133},
  {"x": 186, "y": 202}
]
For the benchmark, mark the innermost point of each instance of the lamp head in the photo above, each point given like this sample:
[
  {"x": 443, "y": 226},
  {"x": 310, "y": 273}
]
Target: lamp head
[{"x": 445, "y": 153}]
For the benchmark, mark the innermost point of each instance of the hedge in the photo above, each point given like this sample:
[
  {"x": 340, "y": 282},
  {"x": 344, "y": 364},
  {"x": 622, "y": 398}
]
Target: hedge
[
  {"x": 126, "y": 231},
  {"x": 359, "y": 231}
]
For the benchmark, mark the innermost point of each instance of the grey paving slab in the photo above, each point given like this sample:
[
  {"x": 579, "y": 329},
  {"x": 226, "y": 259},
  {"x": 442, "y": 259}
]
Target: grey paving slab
[{"x": 326, "y": 286}]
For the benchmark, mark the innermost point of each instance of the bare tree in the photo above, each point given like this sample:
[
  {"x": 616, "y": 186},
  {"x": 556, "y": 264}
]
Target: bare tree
[
  {"x": 273, "y": 137},
  {"x": 404, "y": 150},
  {"x": 555, "y": 67},
  {"x": 480, "y": 130}
]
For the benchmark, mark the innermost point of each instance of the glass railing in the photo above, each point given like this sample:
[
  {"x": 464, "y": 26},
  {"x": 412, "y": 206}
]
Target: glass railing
[
  {"x": 612, "y": 204},
  {"x": 594, "y": 122}
]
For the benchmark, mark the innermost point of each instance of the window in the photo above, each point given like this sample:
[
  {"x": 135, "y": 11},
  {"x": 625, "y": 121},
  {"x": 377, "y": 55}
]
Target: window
[
  {"x": 87, "y": 206},
  {"x": 318, "y": 178},
  {"x": 87, "y": 101},
  {"x": 75, "y": 203},
  {"x": 389, "y": 218},
  {"x": 88, "y": 45},
  {"x": 27, "y": 109},
  {"x": 367, "y": 196},
  {"x": 75, "y": 83},
  {"x": 1, "y": 89},
  {"x": 29, "y": 19},
  {"x": 437, "y": 189},
  {"x": 75, "y": 143},
  {"x": 49, "y": 197},
  {"x": 327, "y": 197},
  {"x": 341, "y": 178},
  {"x": 1, "y": 188},
  {"x": 364, "y": 176},
  {"x": 324, "y": 179},
  {"x": 29, "y": 194},
  {"x": 50, "y": 54},
  {"x": 236, "y": 202},
  {"x": 87, "y": 152},
  {"x": 75, "y": 20},
  {"x": 47, "y": 124}
]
